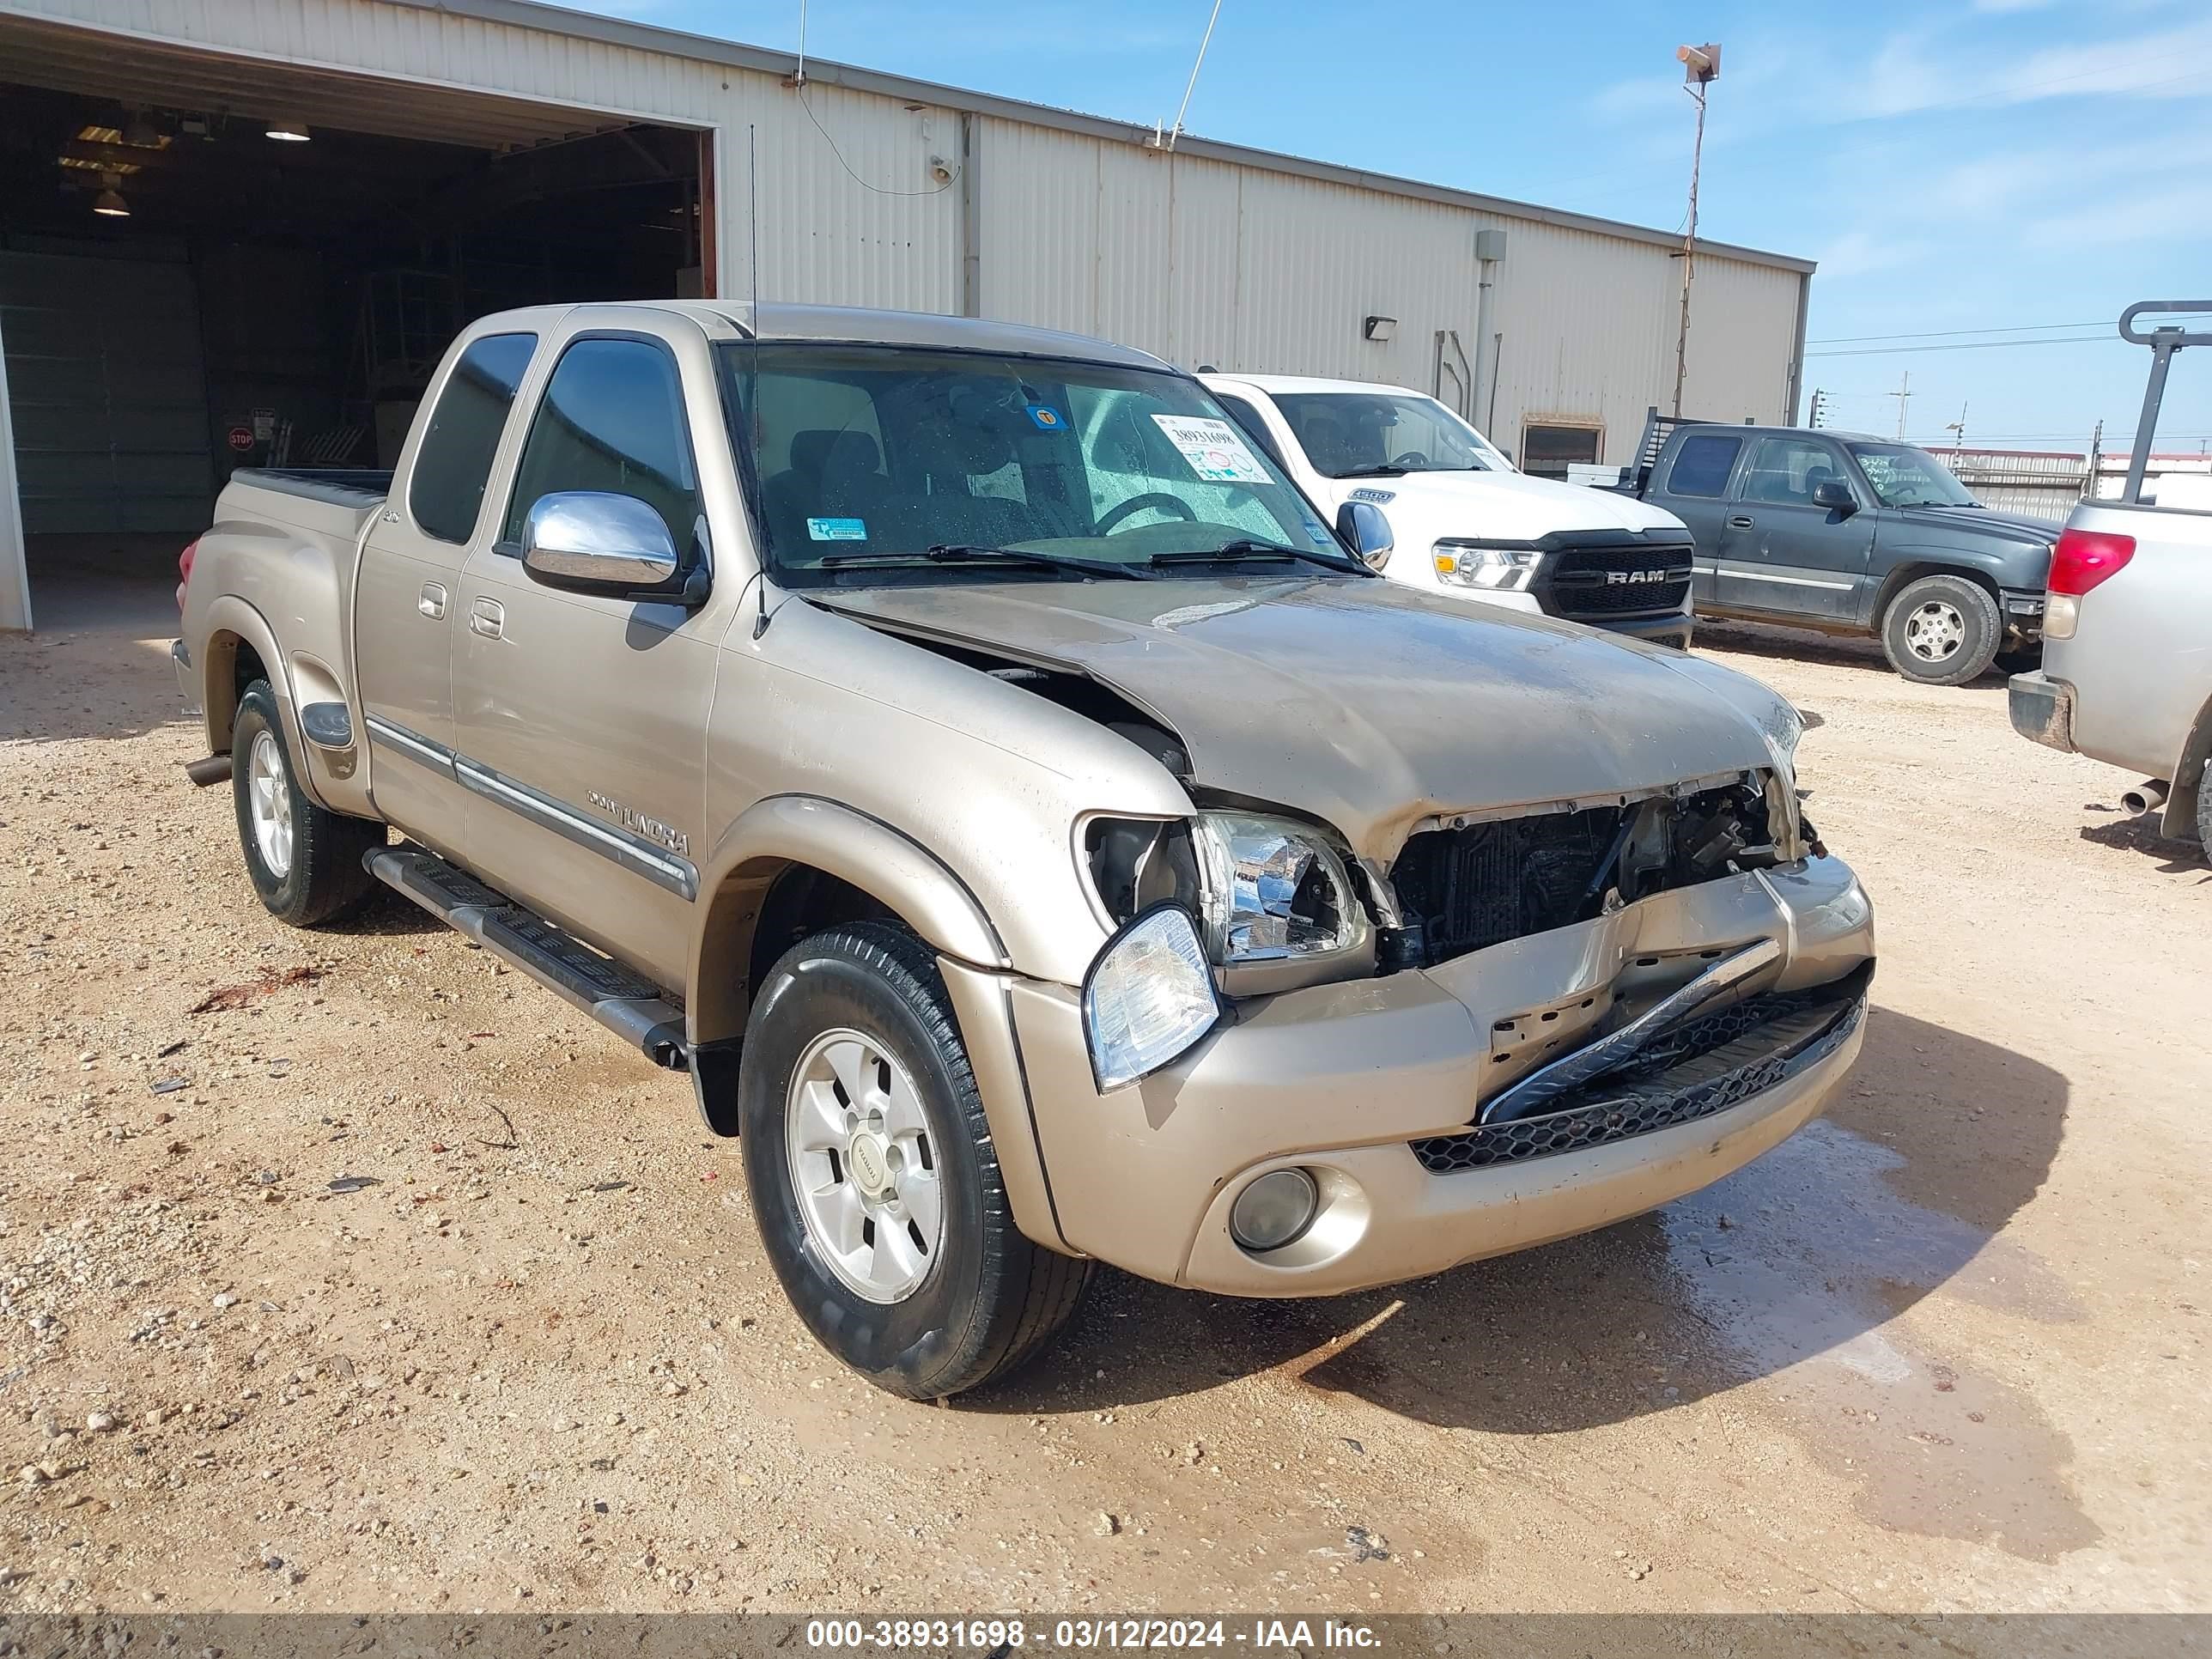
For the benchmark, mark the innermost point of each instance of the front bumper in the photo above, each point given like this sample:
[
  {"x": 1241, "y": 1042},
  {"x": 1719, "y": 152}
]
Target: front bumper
[
  {"x": 2023, "y": 614},
  {"x": 2042, "y": 709},
  {"x": 1368, "y": 1085}
]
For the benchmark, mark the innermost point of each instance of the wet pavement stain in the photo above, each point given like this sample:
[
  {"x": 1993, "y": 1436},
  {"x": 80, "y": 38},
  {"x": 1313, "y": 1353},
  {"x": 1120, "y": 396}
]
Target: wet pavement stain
[{"x": 1794, "y": 1269}]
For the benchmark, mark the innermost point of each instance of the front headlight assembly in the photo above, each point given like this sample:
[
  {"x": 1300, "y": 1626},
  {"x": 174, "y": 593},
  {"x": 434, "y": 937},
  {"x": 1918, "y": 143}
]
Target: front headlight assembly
[
  {"x": 1273, "y": 891},
  {"x": 1268, "y": 904},
  {"x": 1501, "y": 568},
  {"x": 1148, "y": 997}
]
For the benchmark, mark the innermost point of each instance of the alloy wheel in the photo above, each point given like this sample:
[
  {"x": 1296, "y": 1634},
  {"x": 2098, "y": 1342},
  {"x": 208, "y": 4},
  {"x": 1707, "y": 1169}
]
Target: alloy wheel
[
  {"x": 862, "y": 1166},
  {"x": 269, "y": 797},
  {"x": 1935, "y": 631}
]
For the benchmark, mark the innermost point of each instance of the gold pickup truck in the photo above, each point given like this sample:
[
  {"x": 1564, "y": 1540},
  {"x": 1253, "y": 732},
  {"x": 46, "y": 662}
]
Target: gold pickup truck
[{"x": 1036, "y": 830}]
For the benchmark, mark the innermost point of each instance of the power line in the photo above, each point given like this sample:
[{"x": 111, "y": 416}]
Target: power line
[
  {"x": 1968, "y": 345},
  {"x": 1947, "y": 333}
]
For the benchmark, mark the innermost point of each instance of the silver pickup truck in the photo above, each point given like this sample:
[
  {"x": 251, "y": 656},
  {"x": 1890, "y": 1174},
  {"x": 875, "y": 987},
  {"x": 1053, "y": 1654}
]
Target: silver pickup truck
[
  {"x": 1024, "y": 816},
  {"x": 2127, "y": 666}
]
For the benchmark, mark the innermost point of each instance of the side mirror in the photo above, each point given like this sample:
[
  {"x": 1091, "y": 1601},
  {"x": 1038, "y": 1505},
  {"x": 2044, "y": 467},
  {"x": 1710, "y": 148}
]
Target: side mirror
[
  {"x": 591, "y": 541},
  {"x": 1835, "y": 494},
  {"x": 1363, "y": 526}
]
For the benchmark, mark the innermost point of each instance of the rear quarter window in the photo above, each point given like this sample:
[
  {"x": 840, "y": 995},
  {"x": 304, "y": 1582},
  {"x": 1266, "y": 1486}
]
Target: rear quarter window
[
  {"x": 453, "y": 461},
  {"x": 1702, "y": 465}
]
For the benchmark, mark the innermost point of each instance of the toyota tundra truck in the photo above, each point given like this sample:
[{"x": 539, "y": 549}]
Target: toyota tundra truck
[
  {"x": 772, "y": 682},
  {"x": 2127, "y": 674}
]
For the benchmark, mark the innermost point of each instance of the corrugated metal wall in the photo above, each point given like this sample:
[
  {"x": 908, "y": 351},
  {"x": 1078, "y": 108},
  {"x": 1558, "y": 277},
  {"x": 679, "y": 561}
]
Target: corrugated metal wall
[
  {"x": 1269, "y": 272},
  {"x": 1199, "y": 259}
]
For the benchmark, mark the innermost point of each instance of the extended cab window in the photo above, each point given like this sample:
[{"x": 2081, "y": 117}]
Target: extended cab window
[
  {"x": 453, "y": 460},
  {"x": 612, "y": 419},
  {"x": 1703, "y": 463}
]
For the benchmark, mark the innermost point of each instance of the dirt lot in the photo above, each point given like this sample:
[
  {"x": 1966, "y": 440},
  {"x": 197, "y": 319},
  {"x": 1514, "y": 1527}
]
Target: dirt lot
[{"x": 348, "y": 1271}]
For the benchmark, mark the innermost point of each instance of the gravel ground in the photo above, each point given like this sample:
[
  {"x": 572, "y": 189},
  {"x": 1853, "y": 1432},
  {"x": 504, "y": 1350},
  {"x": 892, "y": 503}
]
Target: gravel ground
[{"x": 346, "y": 1270}]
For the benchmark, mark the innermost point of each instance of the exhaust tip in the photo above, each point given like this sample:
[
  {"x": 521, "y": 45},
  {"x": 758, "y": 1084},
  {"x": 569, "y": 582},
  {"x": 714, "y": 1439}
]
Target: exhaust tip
[{"x": 2149, "y": 796}]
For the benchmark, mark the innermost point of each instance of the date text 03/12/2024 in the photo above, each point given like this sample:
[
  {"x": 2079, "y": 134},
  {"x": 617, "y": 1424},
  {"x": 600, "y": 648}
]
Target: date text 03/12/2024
[{"x": 997, "y": 1638}]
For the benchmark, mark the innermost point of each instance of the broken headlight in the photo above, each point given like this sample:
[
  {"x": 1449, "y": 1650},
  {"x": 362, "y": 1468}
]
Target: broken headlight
[
  {"x": 1273, "y": 890},
  {"x": 1265, "y": 890}
]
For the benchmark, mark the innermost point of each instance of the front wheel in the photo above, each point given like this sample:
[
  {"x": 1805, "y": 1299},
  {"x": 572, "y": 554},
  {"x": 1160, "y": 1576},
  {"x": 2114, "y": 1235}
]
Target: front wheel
[
  {"x": 305, "y": 862},
  {"x": 1941, "y": 630},
  {"x": 873, "y": 1176}
]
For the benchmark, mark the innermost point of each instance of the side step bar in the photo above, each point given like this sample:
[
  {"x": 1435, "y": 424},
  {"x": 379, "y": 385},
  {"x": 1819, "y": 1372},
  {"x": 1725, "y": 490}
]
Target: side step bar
[{"x": 626, "y": 1005}]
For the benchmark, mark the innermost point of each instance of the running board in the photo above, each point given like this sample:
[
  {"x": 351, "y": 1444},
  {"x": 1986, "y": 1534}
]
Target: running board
[{"x": 630, "y": 1007}]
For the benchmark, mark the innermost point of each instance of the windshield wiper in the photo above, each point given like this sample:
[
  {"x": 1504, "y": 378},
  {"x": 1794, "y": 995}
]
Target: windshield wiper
[
  {"x": 964, "y": 553},
  {"x": 1377, "y": 472},
  {"x": 1237, "y": 552}
]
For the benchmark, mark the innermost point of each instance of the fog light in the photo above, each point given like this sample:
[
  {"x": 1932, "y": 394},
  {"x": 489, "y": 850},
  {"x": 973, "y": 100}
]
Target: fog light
[{"x": 1275, "y": 1210}]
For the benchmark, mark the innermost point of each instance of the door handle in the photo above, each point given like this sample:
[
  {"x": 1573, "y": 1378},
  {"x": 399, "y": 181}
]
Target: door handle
[
  {"x": 1740, "y": 522},
  {"x": 488, "y": 617},
  {"x": 431, "y": 602}
]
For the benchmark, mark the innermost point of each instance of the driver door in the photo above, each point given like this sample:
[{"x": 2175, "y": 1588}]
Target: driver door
[
  {"x": 581, "y": 719},
  {"x": 1784, "y": 554}
]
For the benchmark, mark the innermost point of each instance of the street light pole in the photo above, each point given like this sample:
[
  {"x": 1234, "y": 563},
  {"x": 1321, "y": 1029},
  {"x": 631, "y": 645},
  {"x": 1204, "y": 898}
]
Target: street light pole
[{"x": 1701, "y": 66}]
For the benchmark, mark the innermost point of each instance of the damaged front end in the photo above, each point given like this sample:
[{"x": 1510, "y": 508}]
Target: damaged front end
[{"x": 1285, "y": 903}]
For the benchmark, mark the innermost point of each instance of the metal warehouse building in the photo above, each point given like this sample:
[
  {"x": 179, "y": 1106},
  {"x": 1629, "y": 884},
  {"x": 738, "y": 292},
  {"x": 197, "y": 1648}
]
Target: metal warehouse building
[{"x": 240, "y": 232}]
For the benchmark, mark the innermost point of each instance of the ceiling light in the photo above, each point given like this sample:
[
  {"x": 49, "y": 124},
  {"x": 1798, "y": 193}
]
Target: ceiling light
[
  {"x": 287, "y": 132},
  {"x": 110, "y": 205},
  {"x": 140, "y": 133}
]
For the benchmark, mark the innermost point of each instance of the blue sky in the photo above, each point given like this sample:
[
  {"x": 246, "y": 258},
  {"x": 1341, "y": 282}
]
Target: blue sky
[{"x": 1953, "y": 165}]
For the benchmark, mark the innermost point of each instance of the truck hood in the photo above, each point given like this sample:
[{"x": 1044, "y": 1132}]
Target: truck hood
[
  {"x": 1365, "y": 704},
  {"x": 1423, "y": 507},
  {"x": 2012, "y": 529}
]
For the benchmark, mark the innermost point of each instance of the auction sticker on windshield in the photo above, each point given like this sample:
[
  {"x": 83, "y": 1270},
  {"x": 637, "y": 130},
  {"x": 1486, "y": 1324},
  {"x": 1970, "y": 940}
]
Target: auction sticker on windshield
[
  {"x": 837, "y": 530},
  {"x": 1214, "y": 451}
]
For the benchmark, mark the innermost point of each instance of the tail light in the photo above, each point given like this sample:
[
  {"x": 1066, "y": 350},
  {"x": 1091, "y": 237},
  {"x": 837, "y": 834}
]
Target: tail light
[
  {"x": 2081, "y": 559},
  {"x": 184, "y": 572}
]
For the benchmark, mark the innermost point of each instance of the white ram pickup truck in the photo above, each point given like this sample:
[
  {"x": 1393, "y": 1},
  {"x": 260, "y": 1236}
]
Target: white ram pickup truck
[{"x": 1463, "y": 522}]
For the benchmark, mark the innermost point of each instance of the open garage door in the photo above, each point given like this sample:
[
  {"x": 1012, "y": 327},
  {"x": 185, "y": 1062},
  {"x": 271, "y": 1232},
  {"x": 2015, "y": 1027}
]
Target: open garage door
[{"x": 209, "y": 262}]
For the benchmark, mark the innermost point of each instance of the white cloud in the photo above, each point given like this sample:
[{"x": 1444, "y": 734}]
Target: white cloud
[{"x": 1864, "y": 252}]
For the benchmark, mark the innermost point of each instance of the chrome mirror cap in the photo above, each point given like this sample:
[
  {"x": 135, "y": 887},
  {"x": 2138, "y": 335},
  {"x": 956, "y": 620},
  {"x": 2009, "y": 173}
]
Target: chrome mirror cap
[{"x": 598, "y": 542}]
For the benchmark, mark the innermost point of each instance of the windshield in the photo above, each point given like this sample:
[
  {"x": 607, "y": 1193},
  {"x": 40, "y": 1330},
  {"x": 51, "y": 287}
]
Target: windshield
[
  {"x": 1905, "y": 477},
  {"x": 894, "y": 463},
  {"x": 1350, "y": 434}
]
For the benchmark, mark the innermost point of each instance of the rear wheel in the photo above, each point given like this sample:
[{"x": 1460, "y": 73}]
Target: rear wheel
[
  {"x": 2205, "y": 810},
  {"x": 1941, "y": 630},
  {"x": 305, "y": 862},
  {"x": 873, "y": 1176}
]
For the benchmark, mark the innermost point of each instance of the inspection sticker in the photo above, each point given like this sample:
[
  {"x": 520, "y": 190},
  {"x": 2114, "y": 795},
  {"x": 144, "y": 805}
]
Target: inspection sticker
[
  {"x": 1214, "y": 451},
  {"x": 1047, "y": 418},
  {"x": 838, "y": 530}
]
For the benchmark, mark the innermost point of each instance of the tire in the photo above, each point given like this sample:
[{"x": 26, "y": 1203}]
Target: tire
[
  {"x": 313, "y": 873},
  {"x": 1949, "y": 612},
  {"x": 2205, "y": 811},
  {"x": 983, "y": 1298}
]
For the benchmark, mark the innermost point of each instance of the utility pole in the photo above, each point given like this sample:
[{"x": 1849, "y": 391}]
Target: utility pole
[
  {"x": 1701, "y": 66},
  {"x": 1819, "y": 412},
  {"x": 2096, "y": 456},
  {"x": 1958, "y": 431},
  {"x": 1903, "y": 394}
]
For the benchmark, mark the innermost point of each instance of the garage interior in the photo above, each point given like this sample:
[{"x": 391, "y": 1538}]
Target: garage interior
[{"x": 209, "y": 262}]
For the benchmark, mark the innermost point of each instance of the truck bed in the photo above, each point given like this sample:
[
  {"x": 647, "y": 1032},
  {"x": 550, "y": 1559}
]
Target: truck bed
[{"x": 333, "y": 503}]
